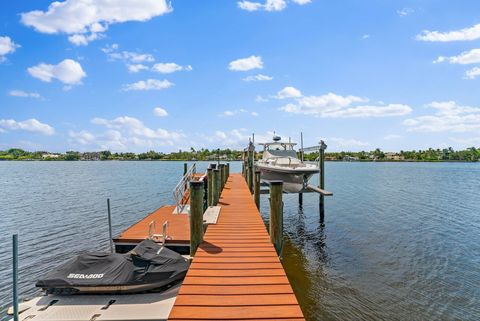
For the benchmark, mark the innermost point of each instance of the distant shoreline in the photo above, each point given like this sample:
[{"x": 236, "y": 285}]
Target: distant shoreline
[
  {"x": 236, "y": 160},
  {"x": 430, "y": 155}
]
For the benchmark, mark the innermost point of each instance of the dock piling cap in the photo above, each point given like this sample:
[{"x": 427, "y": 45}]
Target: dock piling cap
[
  {"x": 276, "y": 182},
  {"x": 196, "y": 184}
]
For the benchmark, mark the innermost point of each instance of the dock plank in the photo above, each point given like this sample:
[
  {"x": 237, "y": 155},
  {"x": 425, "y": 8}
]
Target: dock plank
[{"x": 236, "y": 273}]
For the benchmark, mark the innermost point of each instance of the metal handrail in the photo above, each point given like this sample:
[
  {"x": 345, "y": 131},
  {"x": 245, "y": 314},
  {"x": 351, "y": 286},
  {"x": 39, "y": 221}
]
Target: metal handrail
[{"x": 182, "y": 187}]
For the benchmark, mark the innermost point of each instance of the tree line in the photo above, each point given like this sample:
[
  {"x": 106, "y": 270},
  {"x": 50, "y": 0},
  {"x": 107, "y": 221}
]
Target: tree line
[{"x": 471, "y": 154}]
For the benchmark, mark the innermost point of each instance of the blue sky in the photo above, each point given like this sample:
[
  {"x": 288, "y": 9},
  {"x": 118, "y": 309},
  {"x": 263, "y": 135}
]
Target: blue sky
[{"x": 150, "y": 74}]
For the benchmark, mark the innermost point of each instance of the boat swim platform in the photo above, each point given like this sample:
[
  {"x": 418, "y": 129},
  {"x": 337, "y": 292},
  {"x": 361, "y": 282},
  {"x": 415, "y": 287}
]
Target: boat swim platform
[{"x": 236, "y": 273}]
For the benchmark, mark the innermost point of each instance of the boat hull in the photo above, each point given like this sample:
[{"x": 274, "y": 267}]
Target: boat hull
[{"x": 294, "y": 180}]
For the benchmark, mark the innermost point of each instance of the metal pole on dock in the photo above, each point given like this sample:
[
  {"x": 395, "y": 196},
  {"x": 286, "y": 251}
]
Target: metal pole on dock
[
  {"x": 15, "y": 275},
  {"x": 276, "y": 215},
  {"x": 196, "y": 215},
  {"x": 257, "y": 189},
  {"x": 210, "y": 186},
  {"x": 110, "y": 226},
  {"x": 215, "y": 186},
  {"x": 321, "y": 165},
  {"x": 300, "y": 195},
  {"x": 251, "y": 153}
]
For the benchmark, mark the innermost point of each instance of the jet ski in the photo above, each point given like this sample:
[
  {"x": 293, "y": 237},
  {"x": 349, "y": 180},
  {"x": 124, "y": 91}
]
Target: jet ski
[{"x": 147, "y": 267}]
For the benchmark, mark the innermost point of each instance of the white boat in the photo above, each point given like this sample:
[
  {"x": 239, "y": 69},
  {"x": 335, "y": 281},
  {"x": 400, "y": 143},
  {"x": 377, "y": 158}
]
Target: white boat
[{"x": 280, "y": 162}]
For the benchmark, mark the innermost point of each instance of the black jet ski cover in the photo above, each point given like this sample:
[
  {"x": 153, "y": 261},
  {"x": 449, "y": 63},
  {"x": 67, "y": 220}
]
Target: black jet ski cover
[{"x": 148, "y": 266}]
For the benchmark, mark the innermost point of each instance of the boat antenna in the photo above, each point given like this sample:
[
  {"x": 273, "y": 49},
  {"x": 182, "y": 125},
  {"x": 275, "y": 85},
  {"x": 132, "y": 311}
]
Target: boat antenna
[{"x": 301, "y": 143}]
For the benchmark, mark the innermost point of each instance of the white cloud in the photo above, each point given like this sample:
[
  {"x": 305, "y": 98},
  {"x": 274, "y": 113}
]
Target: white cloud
[
  {"x": 405, "y": 12},
  {"x": 83, "y": 40},
  {"x": 258, "y": 77},
  {"x": 448, "y": 117},
  {"x": 83, "y": 137},
  {"x": 31, "y": 125},
  {"x": 337, "y": 106},
  {"x": 392, "y": 137},
  {"x": 245, "y": 64},
  {"x": 343, "y": 143},
  {"x": 134, "y": 61},
  {"x": 21, "y": 93},
  {"x": 167, "y": 68},
  {"x": 126, "y": 56},
  {"x": 302, "y": 2},
  {"x": 472, "y": 73},
  {"x": 134, "y": 68},
  {"x": 160, "y": 112},
  {"x": 68, "y": 72},
  {"x": 370, "y": 111},
  {"x": 7, "y": 46},
  {"x": 235, "y": 138},
  {"x": 275, "y": 5},
  {"x": 467, "y": 141},
  {"x": 465, "y": 58},
  {"x": 365, "y": 36},
  {"x": 268, "y": 5},
  {"x": 249, "y": 6},
  {"x": 260, "y": 99},
  {"x": 149, "y": 84},
  {"x": 126, "y": 134},
  {"x": 254, "y": 113},
  {"x": 288, "y": 92},
  {"x": 471, "y": 33},
  {"x": 230, "y": 113},
  {"x": 86, "y": 20}
]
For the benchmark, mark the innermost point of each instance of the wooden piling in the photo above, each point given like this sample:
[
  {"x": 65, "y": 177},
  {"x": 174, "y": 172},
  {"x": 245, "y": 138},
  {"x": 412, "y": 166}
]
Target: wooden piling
[
  {"x": 185, "y": 170},
  {"x": 256, "y": 189},
  {"x": 300, "y": 199},
  {"x": 276, "y": 215},
  {"x": 15, "y": 276},
  {"x": 196, "y": 215},
  {"x": 228, "y": 171},
  {"x": 215, "y": 186},
  {"x": 222, "y": 177},
  {"x": 210, "y": 186}
]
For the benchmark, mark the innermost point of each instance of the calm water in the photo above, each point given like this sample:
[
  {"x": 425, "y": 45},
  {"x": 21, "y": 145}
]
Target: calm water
[{"x": 400, "y": 242}]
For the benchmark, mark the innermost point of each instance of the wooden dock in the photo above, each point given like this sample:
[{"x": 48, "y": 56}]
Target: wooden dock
[
  {"x": 179, "y": 229},
  {"x": 236, "y": 273}
]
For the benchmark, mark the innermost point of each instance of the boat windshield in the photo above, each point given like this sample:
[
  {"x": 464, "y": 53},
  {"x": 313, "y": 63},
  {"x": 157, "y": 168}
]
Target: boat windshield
[
  {"x": 278, "y": 146},
  {"x": 283, "y": 153}
]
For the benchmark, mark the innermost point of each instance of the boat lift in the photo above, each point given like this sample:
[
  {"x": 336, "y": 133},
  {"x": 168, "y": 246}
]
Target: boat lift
[{"x": 248, "y": 171}]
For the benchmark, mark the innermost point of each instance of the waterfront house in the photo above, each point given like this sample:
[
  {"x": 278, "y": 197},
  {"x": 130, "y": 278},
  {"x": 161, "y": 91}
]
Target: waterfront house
[{"x": 394, "y": 157}]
